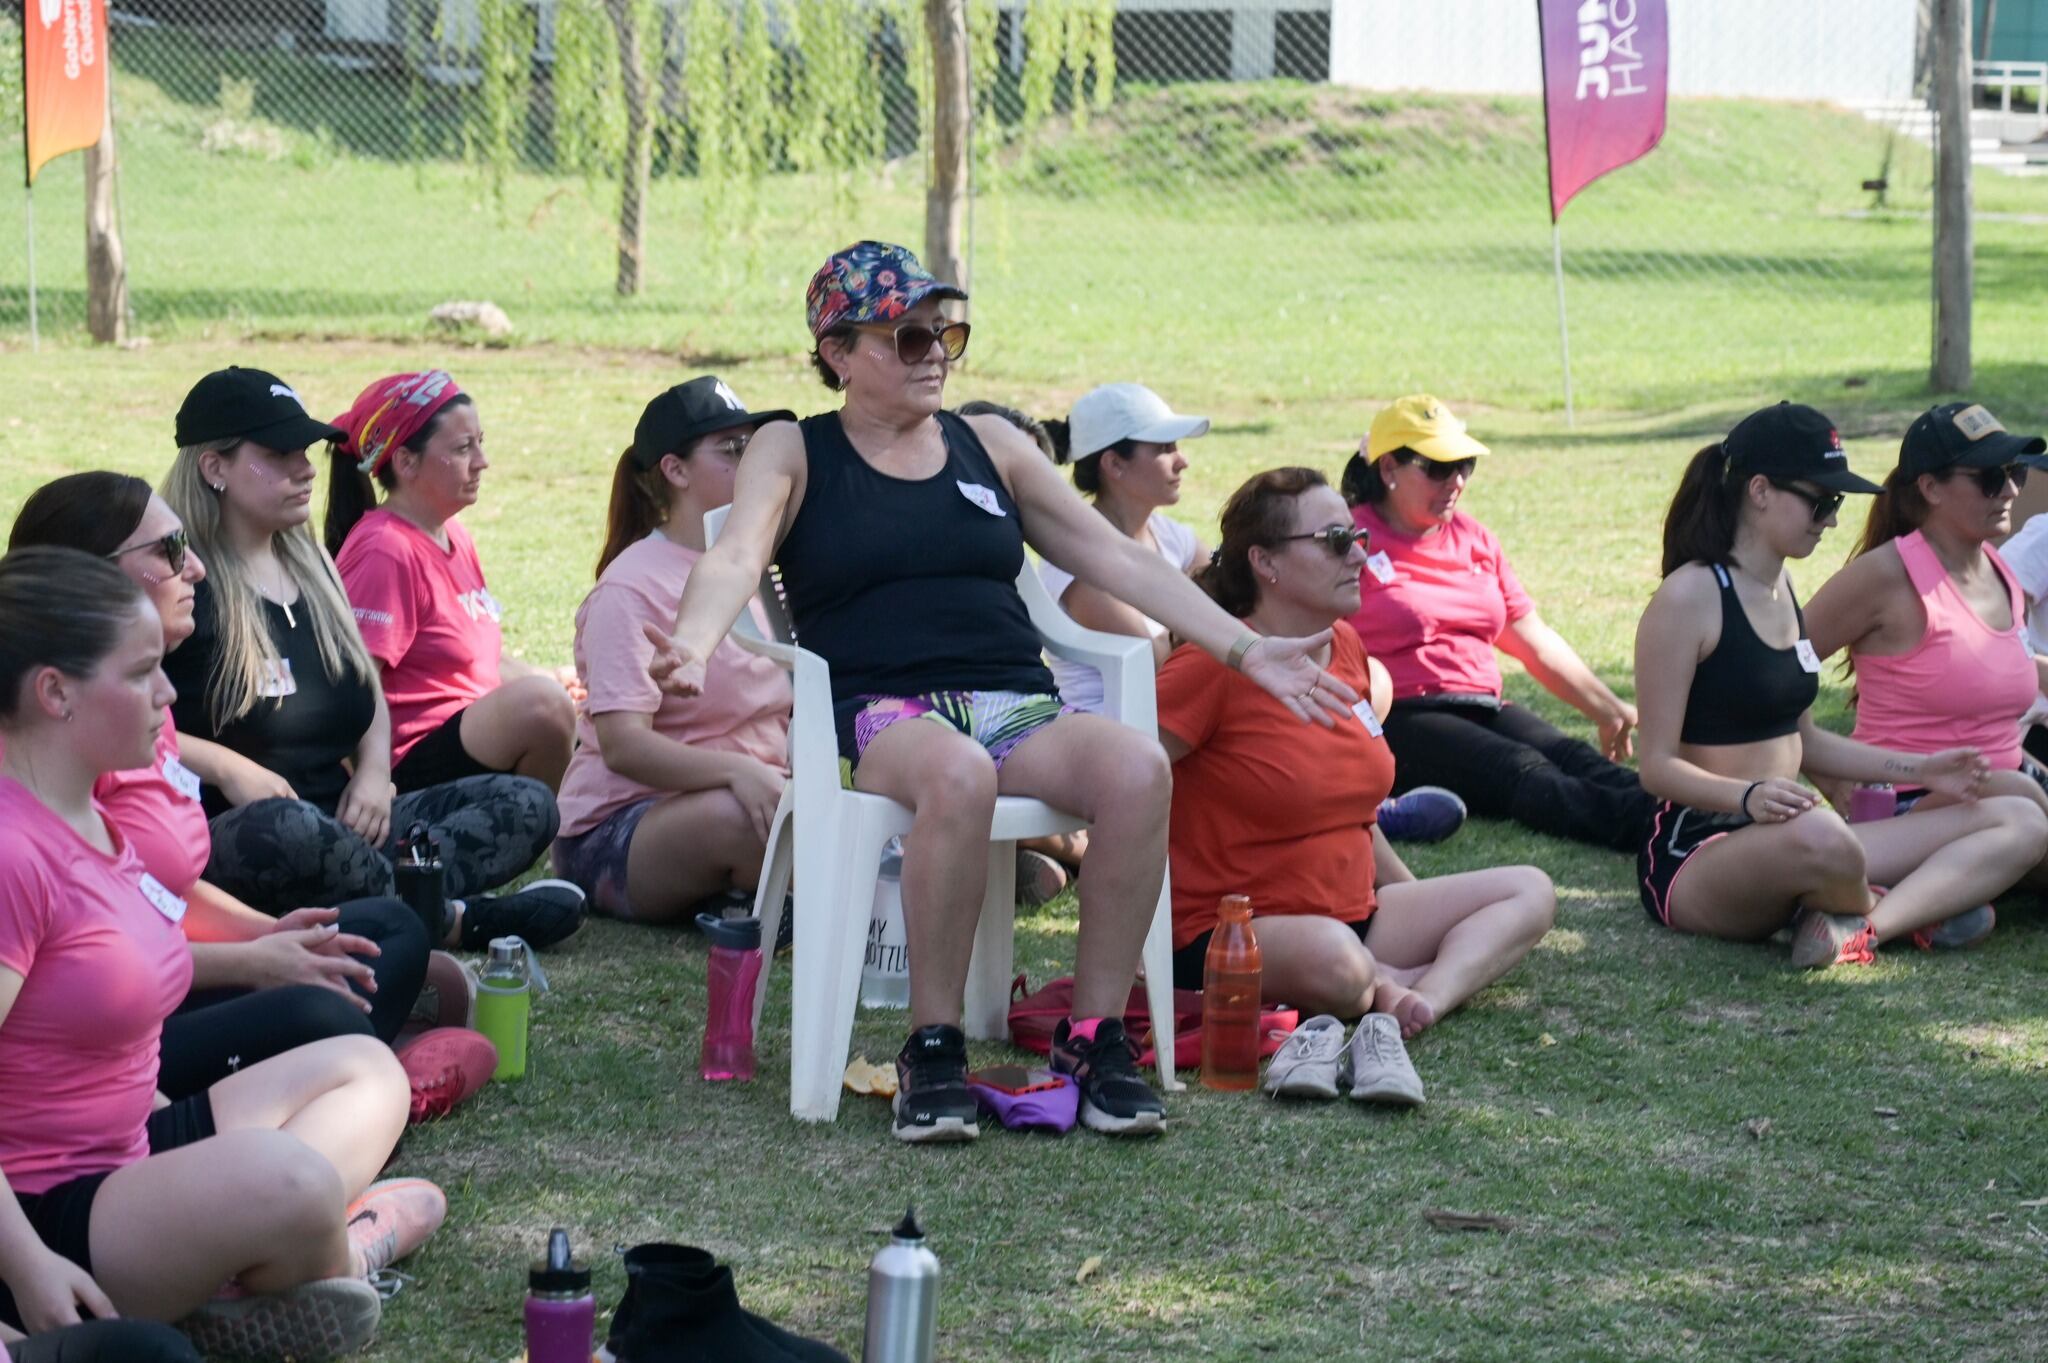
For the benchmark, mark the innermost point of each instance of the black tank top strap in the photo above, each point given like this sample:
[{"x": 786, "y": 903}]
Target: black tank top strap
[
  {"x": 1746, "y": 691},
  {"x": 908, "y": 585}
]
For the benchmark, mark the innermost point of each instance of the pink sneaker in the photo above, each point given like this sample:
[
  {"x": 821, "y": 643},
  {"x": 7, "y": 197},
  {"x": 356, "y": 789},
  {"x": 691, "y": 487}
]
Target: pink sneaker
[
  {"x": 447, "y": 1067},
  {"x": 391, "y": 1220}
]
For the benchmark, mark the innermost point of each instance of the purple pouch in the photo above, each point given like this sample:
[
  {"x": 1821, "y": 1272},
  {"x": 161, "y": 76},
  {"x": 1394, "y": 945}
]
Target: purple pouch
[{"x": 1053, "y": 1109}]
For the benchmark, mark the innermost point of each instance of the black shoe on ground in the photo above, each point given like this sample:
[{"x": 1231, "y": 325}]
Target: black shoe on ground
[
  {"x": 933, "y": 1102},
  {"x": 543, "y": 913},
  {"x": 1114, "y": 1099},
  {"x": 680, "y": 1305}
]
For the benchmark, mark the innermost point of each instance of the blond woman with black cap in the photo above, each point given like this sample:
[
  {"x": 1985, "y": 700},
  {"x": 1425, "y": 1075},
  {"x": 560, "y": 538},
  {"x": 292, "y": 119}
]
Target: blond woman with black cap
[
  {"x": 668, "y": 798},
  {"x": 1726, "y": 676},
  {"x": 899, "y": 529},
  {"x": 1933, "y": 617}
]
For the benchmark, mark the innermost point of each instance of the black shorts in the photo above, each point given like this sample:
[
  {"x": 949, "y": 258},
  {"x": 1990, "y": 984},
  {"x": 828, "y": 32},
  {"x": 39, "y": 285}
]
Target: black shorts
[
  {"x": 62, "y": 1216},
  {"x": 1676, "y": 832},
  {"x": 438, "y": 759},
  {"x": 1190, "y": 959}
]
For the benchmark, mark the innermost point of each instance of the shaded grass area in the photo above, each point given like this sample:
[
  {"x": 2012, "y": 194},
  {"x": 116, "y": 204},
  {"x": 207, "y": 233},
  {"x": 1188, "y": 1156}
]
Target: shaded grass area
[{"x": 1686, "y": 1137}]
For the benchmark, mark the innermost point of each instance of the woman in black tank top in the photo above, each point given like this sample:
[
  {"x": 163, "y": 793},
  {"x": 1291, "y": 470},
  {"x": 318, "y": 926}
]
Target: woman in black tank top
[
  {"x": 899, "y": 530},
  {"x": 1725, "y": 678}
]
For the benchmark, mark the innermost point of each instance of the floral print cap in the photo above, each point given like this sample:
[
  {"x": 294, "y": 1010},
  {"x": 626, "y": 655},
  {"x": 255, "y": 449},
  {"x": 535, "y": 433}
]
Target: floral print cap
[{"x": 870, "y": 281}]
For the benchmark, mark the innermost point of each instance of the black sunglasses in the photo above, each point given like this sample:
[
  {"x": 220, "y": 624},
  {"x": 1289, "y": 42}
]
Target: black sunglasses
[
  {"x": 914, "y": 340},
  {"x": 172, "y": 546},
  {"x": 1338, "y": 539},
  {"x": 1992, "y": 481},
  {"x": 1439, "y": 472},
  {"x": 1822, "y": 504}
]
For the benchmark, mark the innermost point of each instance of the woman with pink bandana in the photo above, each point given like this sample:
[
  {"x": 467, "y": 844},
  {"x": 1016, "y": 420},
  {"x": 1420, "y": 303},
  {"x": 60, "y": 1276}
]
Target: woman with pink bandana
[{"x": 460, "y": 705}]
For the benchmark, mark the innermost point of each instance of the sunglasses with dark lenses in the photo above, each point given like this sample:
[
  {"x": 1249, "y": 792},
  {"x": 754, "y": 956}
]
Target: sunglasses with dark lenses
[
  {"x": 1338, "y": 539},
  {"x": 1822, "y": 504},
  {"x": 1440, "y": 472},
  {"x": 171, "y": 546},
  {"x": 1992, "y": 481},
  {"x": 914, "y": 340}
]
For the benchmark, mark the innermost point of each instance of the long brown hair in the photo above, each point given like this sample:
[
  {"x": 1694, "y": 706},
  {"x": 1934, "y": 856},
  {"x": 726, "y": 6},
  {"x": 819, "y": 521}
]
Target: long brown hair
[
  {"x": 1258, "y": 515},
  {"x": 639, "y": 506},
  {"x": 1898, "y": 509},
  {"x": 1705, "y": 511}
]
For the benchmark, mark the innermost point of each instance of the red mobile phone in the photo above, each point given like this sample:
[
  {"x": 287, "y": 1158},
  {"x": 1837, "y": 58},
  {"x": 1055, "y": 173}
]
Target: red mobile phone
[{"x": 1014, "y": 1079}]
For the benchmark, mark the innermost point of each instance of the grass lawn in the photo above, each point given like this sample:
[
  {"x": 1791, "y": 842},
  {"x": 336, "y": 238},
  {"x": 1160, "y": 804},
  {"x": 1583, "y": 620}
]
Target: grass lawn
[
  {"x": 1703, "y": 1154},
  {"x": 1610, "y": 1098}
]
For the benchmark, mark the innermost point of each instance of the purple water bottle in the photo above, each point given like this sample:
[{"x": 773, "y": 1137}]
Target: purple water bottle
[
  {"x": 1867, "y": 804},
  {"x": 561, "y": 1315},
  {"x": 732, "y": 976}
]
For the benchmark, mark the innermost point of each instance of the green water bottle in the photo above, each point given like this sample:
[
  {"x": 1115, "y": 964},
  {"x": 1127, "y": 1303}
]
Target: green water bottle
[{"x": 504, "y": 998}]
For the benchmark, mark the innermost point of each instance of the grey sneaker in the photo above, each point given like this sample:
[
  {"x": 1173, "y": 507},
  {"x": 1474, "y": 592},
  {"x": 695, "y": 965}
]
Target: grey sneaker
[
  {"x": 1305, "y": 1066},
  {"x": 1820, "y": 940},
  {"x": 323, "y": 1319},
  {"x": 1376, "y": 1064}
]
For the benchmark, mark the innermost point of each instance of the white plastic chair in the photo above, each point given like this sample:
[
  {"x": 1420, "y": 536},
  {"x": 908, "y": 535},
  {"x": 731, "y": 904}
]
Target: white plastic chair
[{"x": 832, "y": 839}]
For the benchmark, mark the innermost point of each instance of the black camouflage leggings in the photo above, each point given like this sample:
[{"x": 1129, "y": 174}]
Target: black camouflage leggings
[{"x": 280, "y": 855}]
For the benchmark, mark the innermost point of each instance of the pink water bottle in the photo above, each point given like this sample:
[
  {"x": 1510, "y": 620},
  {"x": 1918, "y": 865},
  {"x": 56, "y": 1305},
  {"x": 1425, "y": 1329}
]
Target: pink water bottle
[
  {"x": 561, "y": 1315},
  {"x": 1867, "y": 804},
  {"x": 732, "y": 976}
]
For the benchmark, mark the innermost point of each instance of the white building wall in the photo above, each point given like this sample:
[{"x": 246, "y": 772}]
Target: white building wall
[{"x": 1844, "y": 50}]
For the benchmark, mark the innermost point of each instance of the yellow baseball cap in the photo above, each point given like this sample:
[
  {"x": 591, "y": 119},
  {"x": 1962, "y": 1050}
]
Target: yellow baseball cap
[{"x": 1421, "y": 423}]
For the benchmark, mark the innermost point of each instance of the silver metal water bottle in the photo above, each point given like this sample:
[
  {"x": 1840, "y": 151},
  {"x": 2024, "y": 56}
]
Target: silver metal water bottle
[{"x": 903, "y": 1298}]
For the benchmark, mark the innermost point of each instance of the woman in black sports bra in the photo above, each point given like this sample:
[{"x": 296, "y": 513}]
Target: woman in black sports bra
[
  {"x": 899, "y": 530},
  {"x": 1725, "y": 678}
]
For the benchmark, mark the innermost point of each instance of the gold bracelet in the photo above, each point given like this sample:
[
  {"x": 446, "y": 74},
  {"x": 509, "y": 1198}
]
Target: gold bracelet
[{"x": 1235, "y": 658}]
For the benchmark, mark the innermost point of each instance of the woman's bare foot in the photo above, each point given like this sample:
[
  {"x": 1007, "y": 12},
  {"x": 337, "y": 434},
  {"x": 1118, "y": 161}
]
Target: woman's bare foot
[{"x": 1407, "y": 1007}]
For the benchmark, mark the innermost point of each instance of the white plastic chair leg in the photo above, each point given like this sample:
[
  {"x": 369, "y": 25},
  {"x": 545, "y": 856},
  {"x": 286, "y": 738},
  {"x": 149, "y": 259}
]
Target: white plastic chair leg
[
  {"x": 770, "y": 895},
  {"x": 1158, "y": 958},
  {"x": 827, "y": 992},
  {"x": 987, "y": 1013}
]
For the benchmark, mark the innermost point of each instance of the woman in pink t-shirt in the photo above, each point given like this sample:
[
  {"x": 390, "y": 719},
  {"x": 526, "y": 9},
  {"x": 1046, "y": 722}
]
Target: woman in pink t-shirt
[
  {"x": 701, "y": 776},
  {"x": 460, "y": 705},
  {"x": 112, "y": 1204},
  {"x": 1438, "y": 598},
  {"x": 1934, "y": 620}
]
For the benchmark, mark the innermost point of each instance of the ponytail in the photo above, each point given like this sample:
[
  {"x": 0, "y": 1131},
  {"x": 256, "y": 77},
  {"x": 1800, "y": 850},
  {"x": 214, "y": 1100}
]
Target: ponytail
[
  {"x": 1897, "y": 510},
  {"x": 1260, "y": 514},
  {"x": 350, "y": 496},
  {"x": 639, "y": 505},
  {"x": 1361, "y": 483},
  {"x": 1700, "y": 526}
]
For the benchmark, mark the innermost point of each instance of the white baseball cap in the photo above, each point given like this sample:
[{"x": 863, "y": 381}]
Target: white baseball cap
[{"x": 1127, "y": 411}]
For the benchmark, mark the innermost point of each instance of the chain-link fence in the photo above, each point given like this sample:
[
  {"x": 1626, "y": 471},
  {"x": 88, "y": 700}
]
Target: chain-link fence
[{"x": 1314, "y": 196}]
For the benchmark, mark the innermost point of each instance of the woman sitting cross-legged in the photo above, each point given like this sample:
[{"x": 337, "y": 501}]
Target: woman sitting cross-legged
[
  {"x": 1283, "y": 812},
  {"x": 1933, "y": 618},
  {"x": 669, "y": 798},
  {"x": 1726, "y": 676},
  {"x": 460, "y": 705},
  {"x": 295, "y": 747},
  {"x": 229, "y": 1209}
]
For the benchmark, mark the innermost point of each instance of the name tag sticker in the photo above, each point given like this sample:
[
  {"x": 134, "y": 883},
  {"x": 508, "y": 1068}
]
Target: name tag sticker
[
  {"x": 981, "y": 497},
  {"x": 1379, "y": 565},
  {"x": 277, "y": 680},
  {"x": 1808, "y": 659},
  {"x": 1366, "y": 716},
  {"x": 167, "y": 904},
  {"x": 182, "y": 778}
]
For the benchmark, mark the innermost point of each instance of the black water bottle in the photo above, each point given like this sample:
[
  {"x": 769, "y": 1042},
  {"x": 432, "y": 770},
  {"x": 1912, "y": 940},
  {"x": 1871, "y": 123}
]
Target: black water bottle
[{"x": 422, "y": 881}]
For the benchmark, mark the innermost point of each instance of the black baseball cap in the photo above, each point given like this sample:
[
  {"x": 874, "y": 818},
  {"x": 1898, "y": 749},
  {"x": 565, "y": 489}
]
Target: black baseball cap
[
  {"x": 1792, "y": 441},
  {"x": 690, "y": 410},
  {"x": 249, "y": 404},
  {"x": 1963, "y": 435}
]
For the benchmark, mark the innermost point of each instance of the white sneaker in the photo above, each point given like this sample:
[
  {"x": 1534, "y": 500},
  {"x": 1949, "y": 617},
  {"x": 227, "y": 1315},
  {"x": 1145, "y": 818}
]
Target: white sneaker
[
  {"x": 1376, "y": 1064},
  {"x": 1305, "y": 1066}
]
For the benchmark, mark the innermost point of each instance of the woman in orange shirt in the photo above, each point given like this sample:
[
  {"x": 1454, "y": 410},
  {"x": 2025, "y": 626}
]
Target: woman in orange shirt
[{"x": 1284, "y": 812}]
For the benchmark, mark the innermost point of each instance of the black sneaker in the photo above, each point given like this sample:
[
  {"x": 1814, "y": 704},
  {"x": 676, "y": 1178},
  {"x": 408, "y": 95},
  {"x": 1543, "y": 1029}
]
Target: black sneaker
[
  {"x": 933, "y": 1102},
  {"x": 1114, "y": 1100},
  {"x": 543, "y": 913}
]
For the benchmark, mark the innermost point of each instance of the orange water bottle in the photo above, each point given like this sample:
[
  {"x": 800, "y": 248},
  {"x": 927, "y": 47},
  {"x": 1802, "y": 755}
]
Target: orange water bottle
[{"x": 1230, "y": 999}]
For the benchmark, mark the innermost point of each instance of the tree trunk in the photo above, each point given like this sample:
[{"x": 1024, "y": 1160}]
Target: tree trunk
[
  {"x": 945, "y": 201},
  {"x": 633, "y": 174},
  {"x": 106, "y": 264},
  {"x": 1953, "y": 247}
]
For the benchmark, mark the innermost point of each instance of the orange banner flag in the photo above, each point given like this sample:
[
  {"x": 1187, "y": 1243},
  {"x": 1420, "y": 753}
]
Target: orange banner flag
[{"x": 64, "y": 70}]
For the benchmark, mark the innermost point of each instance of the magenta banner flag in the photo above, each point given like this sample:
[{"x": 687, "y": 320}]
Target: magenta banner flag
[{"x": 1605, "y": 67}]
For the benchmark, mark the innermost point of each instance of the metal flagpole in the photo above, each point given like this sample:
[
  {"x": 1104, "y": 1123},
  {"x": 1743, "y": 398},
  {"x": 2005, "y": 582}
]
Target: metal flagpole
[
  {"x": 35, "y": 339},
  {"x": 1564, "y": 336}
]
